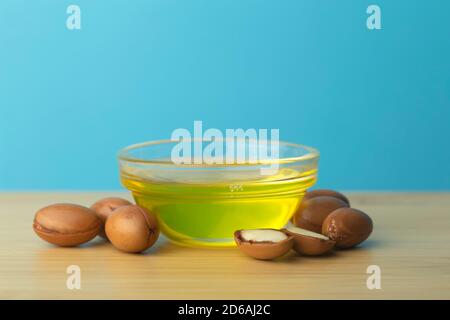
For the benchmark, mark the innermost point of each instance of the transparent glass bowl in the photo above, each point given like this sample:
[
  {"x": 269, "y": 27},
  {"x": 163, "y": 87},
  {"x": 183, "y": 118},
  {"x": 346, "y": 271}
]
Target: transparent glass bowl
[{"x": 203, "y": 204}]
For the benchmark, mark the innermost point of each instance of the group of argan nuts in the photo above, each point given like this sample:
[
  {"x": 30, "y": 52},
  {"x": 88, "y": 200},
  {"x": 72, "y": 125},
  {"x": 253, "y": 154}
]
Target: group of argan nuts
[
  {"x": 323, "y": 221},
  {"x": 128, "y": 227}
]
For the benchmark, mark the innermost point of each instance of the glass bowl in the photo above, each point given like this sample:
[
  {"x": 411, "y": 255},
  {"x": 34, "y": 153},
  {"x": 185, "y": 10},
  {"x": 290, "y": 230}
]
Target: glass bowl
[{"x": 203, "y": 204}]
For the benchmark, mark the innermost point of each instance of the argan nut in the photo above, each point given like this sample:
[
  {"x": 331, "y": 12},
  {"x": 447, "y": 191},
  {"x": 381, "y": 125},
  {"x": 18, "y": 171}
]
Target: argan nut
[
  {"x": 312, "y": 212},
  {"x": 348, "y": 227},
  {"x": 309, "y": 243},
  {"x": 325, "y": 192},
  {"x": 66, "y": 225},
  {"x": 104, "y": 207},
  {"x": 263, "y": 244},
  {"x": 132, "y": 229}
]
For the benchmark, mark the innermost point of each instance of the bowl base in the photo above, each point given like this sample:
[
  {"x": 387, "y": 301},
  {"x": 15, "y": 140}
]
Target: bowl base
[{"x": 204, "y": 243}]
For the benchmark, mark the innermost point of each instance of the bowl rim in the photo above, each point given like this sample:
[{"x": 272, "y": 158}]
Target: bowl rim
[{"x": 123, "y": 155}]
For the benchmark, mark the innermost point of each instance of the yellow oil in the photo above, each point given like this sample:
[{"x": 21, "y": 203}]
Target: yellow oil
[{"x": 206, "y": 213}]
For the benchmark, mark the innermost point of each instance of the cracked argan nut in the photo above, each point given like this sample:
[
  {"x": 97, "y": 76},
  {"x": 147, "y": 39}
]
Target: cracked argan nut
[
  {"x": 263, "y": 244},
  {"x": 312, "y": 212},
  {"x": 66, "y": 225},
  {"x": 309, "y": 243},
  {"x": 348, "y": 227},
  {"x": 325, "y": 192},
  {"x": 132, "y": 229},
  {"x": 104, "y": 207}
]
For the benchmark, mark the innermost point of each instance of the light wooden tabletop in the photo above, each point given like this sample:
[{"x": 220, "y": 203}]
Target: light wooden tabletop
[{"x": 410, "y": 244}]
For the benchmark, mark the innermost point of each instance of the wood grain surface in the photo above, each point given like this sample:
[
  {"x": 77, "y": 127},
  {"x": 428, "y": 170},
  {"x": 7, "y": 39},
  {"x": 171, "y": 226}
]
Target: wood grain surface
[{"x": 410, "y": 243}]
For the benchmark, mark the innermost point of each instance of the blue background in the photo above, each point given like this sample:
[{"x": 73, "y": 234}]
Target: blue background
[{"x": 376, "y": 103}]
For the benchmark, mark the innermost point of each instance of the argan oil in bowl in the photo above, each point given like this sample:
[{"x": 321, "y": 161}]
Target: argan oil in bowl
[{"x": 203, "y": 204}]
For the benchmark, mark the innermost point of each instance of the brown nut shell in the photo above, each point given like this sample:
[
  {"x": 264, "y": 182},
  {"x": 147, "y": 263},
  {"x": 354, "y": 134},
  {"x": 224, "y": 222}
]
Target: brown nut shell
[
  {"x": 310, "y": 245},
  {"x": 104, "y": 207},
  {"x": 132, "y": 229},
  {"x": 265, "y": 250},
  {"x": 325, "y": 192},
  {"x": 66, "y": 225},
  {"x": 312, "y": 212},
  {"x": 348, "y": 227}
]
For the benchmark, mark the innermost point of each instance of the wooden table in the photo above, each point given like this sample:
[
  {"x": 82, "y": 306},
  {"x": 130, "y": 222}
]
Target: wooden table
[{"x": 410, "y": 244}]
